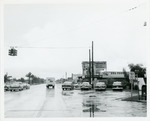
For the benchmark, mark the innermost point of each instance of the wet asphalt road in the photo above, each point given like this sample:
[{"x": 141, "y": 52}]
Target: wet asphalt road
[{"x": 41, "y": 102}]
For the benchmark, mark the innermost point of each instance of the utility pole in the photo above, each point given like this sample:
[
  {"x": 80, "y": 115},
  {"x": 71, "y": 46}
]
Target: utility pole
[
  {"x": 66, "y": 75},
  {"x": 89, "y": 66},
  {"x": 92, "y": 66}
]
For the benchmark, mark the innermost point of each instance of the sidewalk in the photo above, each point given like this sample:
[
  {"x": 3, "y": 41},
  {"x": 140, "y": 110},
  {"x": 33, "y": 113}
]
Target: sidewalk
[{"x": 134, "y": 99}]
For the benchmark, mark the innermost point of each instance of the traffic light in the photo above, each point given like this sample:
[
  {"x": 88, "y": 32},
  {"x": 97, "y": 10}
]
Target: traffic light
[{"x": 11, "y": 52}]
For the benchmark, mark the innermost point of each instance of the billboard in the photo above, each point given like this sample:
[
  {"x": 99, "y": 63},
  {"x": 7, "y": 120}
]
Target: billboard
[{"x": 99, "y": 66}]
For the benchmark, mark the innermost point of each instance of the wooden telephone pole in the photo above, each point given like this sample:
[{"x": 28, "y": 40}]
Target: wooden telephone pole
[
  {"x": 89, "y": 66},
  {"x": 92, "y": 66}
]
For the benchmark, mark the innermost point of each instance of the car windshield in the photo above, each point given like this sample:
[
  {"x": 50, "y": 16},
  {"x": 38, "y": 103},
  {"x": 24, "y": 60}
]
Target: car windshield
[
  {"x": 67, "y": 82},
  {"x": 85, "y": 83},
  {"x": 100, "y": 83},
  {"x": 117, "y": 83},
  {"x": 16, "y": 83}
]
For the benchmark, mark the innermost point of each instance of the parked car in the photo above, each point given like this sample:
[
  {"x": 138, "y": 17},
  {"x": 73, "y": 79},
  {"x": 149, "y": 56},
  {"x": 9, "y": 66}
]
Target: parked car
[
  {"x": 77, "y": 86},
  {"x": 26, "y": 86},
  {"x": 16, "y": 86},
  {"x": 67, "y": 85},
  {"x": 117, "y": 86},
  {"x": 86, "y": 85},
  {"x": 6, "y": 87},
  {"x": 100, "y": 86}
]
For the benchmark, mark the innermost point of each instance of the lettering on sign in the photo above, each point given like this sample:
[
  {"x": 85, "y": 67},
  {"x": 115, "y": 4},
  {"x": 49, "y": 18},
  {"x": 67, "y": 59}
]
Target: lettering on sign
[{"x": 132, "y": 76}]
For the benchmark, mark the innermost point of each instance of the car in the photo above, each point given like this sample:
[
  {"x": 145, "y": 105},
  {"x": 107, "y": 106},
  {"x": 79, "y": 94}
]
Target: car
[
  {"x": 16, "y": 86},
  {"x": 100, "y": 86},
  {"x": 67, "y": 85},
  {"x": 117, "y": 86},
  {"x": 50, "y": 82},
  {"x": 6, "y": 87},
  {"x": 77, "y": 86},
  {"x": 86, "y": 85},
  {"x": 26, "y": 86}
]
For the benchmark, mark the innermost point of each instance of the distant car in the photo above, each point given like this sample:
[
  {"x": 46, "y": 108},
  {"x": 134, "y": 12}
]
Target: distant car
[
  {"x": 117, "y": 86},
  {"x": 100, "y": 86},
  {"x": 16, "y": 86},
  {"x": 86, "y": 85},
  {"x": 6, "y": 87},
  {"x": 26, "y": 86},
  {"x": 67, "y": 85}
]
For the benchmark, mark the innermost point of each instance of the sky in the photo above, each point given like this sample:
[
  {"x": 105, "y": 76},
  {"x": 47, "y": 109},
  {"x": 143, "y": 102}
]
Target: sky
[{"x": 53, "y": 39}]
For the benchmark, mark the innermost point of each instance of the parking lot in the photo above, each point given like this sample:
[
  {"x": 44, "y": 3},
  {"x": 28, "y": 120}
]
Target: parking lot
[{"x": 38, "y": 101}]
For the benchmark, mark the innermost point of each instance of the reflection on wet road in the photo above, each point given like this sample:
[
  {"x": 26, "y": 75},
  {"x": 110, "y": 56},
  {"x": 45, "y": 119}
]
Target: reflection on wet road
[{"x": 42, "y": 102}]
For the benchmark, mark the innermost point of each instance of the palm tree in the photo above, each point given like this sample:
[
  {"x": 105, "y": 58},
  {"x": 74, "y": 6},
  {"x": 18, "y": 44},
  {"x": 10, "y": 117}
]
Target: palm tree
[
  {"x": 7, "y": 78},
  {"x": 30, "y": 75}
]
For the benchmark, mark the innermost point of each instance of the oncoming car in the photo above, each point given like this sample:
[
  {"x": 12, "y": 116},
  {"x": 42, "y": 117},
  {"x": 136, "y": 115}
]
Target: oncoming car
[
  {"x": 26, "y": 86},
  {"x": 16, "y": 86},
  {"x": 50, "y": 82}
]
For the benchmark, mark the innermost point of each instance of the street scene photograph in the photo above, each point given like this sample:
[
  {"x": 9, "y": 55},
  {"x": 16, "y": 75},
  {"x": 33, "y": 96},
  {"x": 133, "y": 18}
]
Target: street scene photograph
[{"x": 85, "y": 60}]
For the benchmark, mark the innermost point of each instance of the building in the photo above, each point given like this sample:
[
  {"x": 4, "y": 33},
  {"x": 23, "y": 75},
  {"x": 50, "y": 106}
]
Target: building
[
  {"x": 101, "y": 73},
  {"x": 113, "y": 74}
]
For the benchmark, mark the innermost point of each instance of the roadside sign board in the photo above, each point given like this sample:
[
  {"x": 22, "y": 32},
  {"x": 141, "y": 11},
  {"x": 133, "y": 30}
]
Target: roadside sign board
[
  {"x": 131, "y": 81},
  {"x": 132, "y": 76}
]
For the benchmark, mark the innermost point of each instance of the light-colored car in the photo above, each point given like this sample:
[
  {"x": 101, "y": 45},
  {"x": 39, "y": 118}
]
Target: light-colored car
[
  {"x": 67, "y": 85},
  {"x": 26, "y": 86},
  {"x": 16, "y": 86},
  {"x": 50, "y": 82},
  {"x": 100, "y": 86},
  {"x": 77, "y": 86},
  {"x": 117, "y": 86},
  {"x": 86, "y": 86},
  {"x": 6, "y": 87}
]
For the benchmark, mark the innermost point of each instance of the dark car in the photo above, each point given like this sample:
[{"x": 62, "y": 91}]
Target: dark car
[
  {"x": 68, "y": 86},
  {"x": 86, "y": 86},
  {"x": 117, "y": 86}
]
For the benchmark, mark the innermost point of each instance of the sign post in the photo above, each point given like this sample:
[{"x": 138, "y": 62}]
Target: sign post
[{"x": 131, "y": 77}]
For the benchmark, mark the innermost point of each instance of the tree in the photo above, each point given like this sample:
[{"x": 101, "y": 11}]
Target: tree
[
  {"x": 126, "y": 76},
  {"x": 30, "y": 75},
  {"x": 138, "y": 69},
  {"x": 21, "y": 80},
  {"x": 7, "y": 78}
]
